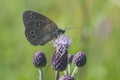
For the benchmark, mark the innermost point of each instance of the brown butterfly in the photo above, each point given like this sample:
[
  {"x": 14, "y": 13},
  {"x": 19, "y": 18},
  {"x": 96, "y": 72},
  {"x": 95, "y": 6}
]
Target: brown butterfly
[{"x": 39, "y": 29}]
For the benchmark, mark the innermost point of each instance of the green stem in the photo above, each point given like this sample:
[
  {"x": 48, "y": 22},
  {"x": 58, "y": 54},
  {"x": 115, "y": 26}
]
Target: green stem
[
  {"x": 40, "y": 74},
  {"x": 69, "y": 69},
  {"x": 65, "y": 72},
  {"x": 74, "y": 71},
  {"x": 57, "y": 75}
]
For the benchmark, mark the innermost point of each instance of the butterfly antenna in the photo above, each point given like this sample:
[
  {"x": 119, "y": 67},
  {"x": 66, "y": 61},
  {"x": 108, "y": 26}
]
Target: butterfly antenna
[{"x": 71, "y": 28}]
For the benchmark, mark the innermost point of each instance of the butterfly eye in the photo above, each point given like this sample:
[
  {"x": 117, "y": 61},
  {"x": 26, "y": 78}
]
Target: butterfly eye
[{"x": 61, "y": 31}]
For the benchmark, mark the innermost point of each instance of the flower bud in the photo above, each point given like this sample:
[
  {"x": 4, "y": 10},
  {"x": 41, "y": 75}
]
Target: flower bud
[
  {"x": 79, "y": 59},
  {"x": 66, "y": 77},
  {"x": 60, "y": 60},
  {"x": 39, "y": 59}
]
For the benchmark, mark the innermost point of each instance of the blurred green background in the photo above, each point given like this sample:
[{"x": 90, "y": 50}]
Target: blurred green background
[{"x": 97, "y": 33}]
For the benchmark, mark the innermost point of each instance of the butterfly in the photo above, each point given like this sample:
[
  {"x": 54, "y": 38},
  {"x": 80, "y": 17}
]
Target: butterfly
[{"x": 39, "y": 29}]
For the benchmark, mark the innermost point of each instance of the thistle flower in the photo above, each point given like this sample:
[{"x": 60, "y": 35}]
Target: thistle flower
[
  {"x": 79, "y": 59},
  {"x": 59, "y": 60},
  {"x": 62, "y": 40},
  {"x": 39, "y": 59},
  {"x": 66, "y": 77}
]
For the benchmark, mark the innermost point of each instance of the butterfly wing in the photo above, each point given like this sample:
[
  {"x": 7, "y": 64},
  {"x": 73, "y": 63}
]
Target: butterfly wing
[{"x": 39, "y": 29}]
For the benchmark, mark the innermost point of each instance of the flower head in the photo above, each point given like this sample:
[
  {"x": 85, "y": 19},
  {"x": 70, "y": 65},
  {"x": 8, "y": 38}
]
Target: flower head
[
  {"x": 79, "y": 59},
  {"x": 62, "y": 40},
  {"x": 59, "y": 60},
  {"x": 39, "y": 59},
  {"x": 66, "y": 77}
]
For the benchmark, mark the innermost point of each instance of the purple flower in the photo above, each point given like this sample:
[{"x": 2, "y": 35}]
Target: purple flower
[
  {"x": 62, "y": 40},
  {"x": 39, "y": 59},
  {"x": 59, "y": 61},
  {"x": 79, "y": 59},
  {"x": 66, "y": 77}
]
